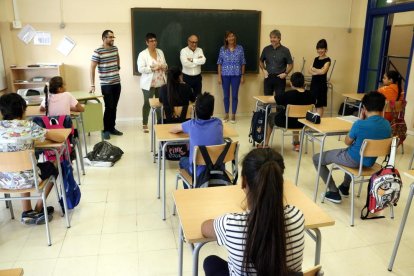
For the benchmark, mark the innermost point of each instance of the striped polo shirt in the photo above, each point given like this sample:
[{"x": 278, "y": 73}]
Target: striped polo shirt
[
  {"x": 231, "y": 231},
  {"x": 107, "y": 60}
]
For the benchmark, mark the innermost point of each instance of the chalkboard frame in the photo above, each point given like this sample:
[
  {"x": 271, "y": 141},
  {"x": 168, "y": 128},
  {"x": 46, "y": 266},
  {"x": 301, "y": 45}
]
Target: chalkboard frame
[{"x": 138, "y": 43}]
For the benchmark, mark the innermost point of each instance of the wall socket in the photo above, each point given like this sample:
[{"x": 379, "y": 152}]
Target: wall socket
[{"x": 17, "y": 24}]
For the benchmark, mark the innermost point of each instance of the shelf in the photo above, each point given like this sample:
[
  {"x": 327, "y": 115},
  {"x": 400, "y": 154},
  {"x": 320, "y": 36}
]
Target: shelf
[{"x": 26, "y": 75}]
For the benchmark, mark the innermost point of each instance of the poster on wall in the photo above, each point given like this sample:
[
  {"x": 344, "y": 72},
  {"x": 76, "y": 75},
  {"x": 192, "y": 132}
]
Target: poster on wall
[
  {"x": 42, "y": 38},
  {"x": 66, "y": 45},
  {"x": 27, "y": 34}
]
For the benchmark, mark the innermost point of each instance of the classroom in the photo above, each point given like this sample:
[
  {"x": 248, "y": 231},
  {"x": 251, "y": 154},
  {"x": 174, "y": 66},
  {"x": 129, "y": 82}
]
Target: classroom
[{"x": 117, "y": 227}]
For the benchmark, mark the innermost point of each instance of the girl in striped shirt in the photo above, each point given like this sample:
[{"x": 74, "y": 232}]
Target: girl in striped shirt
[{"x": 267, "y": 239}]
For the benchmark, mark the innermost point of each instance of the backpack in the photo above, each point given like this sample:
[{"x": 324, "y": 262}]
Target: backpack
[
  {"x": 56, "y": 122},
  {"x": 257, "y": 127},
  {"x": 176, "y": 151},
  {"x": 73, "y": 193},
  {"x": 384, "y": 187},
  {"x": 398, "y": 125},
  {"x": 105, "y": 152},
  {"x": 214, "y": 174}
]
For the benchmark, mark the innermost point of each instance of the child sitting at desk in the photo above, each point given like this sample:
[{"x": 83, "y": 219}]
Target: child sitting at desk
[
  {"x": 370, "y": 126},
  {"x": 391, "y": 89},
  {"x": 57, "y": 101},
  {"x": 173, "y": 94},
  {"x": 203, "y": 130},
  {"x": 267, "y": 239},
  {"x": 18, "y": 134}
]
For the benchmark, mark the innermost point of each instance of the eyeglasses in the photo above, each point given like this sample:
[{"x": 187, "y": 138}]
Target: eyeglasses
[
  {"x": 110, "y": 37},
  {"x": 193, "y": 42},
  {"x": 152, "y": 40}
]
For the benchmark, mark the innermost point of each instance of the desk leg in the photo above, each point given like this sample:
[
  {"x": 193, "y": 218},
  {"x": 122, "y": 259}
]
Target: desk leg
[
  {"x": 319, "y": 168},
  {"x": 164, "y": 173},
  {"x": 62, "y": 186},
  {"x": 83, "y": 134},
  {"x": 317, "y": 237},
  {"x": 159, "y": 169},
  {"x": 180, "y": 250},
  {"x": 196, "y": 253},
  {"x": 402, "y": 225},
  {"x": 302, "y": 137},
  {"x": 152, "y": 131}
]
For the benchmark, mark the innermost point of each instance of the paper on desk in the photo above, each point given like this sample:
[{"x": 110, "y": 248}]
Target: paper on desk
[
  {"x": 27, "y": 34},
  {"x": 66, "y": 45},
  {"x": 349, "y": 118}
]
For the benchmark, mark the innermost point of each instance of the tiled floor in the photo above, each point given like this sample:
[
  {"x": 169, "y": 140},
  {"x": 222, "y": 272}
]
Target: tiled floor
[{"x": 117, "y": 228}]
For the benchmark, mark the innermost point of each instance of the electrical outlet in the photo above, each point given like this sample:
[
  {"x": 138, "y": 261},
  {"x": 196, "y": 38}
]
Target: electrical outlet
[{"x": 17, "y": 24}]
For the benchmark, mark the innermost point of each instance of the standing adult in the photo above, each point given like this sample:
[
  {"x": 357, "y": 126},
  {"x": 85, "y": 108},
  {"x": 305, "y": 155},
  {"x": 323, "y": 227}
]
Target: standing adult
[
  {"x": 192, "y": 57},
  {"x": 276, "y": 63},
  {"x": 152, "y": 66},
  {"x": 230, "y": 66},
  {"x": 319, "y": 71},
  {"x": 106, "y": 58}
]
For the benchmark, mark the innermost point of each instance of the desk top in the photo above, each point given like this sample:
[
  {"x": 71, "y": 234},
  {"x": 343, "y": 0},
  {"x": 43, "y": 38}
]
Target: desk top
[
  {"x": 52, "y": 144},
  {"x": 162, "y": 132},
  {"x": 194, "y": 206},
  {"x": 12, "y": 272},
  {"x": 154, "y": 102},
  {"x": 265, "y": 99},
  {"x": 84, "y": 96},
  {"x": 410, "y": 174},
  {"x": 328, "y": 125},
  {"x": 34, "y": 111},
  {"x": 354, "y": 96}
]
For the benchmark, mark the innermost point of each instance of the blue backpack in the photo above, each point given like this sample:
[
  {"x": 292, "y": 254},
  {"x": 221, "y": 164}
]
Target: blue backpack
[{"x": 73, "y": 193}]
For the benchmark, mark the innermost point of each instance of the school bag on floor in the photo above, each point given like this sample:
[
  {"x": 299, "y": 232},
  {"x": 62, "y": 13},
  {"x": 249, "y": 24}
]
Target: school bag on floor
[
  {"x": 105, "y": 153},
  {"x": 384, "y": 187},
  {"x": 257, "y": 127},
  {"x": 73, "y": 193},
  {"x": 215, "y": 174}
]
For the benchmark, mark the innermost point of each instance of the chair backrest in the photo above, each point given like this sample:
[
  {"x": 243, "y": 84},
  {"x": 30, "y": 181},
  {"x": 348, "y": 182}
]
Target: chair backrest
[
  {"x": 394, "y": 106},
  {"x": 17, "y": 161},
  {"x": 297, "y": 111},
  {"x": 313, "y": 271},
  {"x": 215, "y": 151},
  {"x": 375, "y": 148}
]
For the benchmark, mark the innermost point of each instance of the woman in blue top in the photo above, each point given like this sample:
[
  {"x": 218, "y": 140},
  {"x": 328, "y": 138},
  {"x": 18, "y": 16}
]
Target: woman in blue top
[{"x": 230, "y": 66}]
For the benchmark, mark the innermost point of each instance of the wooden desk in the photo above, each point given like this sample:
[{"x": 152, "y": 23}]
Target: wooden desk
[
  {"x": 59, "y": 148},
  {"x": 318, "y": 132},
  {"x": 165, "y": 138},
  {"x": 155, "y": 106},
  {"x": 12, "y": 272},
  {"x": 356, "y": 97},
  {"x": 194, "y": 206},
  {"x": 84, "y": 96},
  {"x": 264, "y": 103},
  {"x": 410, "y": 174}
]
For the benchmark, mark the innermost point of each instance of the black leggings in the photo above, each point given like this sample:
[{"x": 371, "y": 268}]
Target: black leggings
[{"x": 215, "y": 266}]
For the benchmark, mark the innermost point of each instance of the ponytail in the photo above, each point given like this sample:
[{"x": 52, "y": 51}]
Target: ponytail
[
  {"x": 46, "y": 91},
  {"x": 399, "y": 84},
  {"x": 173, "y": 84}
]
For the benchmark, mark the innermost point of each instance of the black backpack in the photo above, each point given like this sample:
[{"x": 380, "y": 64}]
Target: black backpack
[
  {"x": 215, "y": 174},
  {"x": 257, "y": 127},
  {"x": 105, "y": 151}
]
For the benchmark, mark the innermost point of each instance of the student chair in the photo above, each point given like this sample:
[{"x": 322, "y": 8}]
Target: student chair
[
  {"x": 394, "y": 109},
  {"x": 369, "y": 148},
  {"x": 292, "y": 111},
  {"x": 190, "y": 181},
  {"x": 314, "y": 271},
  {"x": 24, "y": 161}
]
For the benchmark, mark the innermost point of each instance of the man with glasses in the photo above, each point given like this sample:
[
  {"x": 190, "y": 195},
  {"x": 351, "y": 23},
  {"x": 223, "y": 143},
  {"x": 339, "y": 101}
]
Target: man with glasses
[
  {"x": 192, "y": 57},
  {"x": 106, "y": 58}
]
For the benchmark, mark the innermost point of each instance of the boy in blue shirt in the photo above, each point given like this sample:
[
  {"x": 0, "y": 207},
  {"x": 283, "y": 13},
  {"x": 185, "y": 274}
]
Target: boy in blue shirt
[
  {"x": 204, "y": 130},
  {"x": 370, "y": 126}
]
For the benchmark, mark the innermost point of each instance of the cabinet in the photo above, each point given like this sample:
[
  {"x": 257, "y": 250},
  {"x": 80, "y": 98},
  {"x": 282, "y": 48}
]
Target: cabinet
[{"x": 24, "y": 77}]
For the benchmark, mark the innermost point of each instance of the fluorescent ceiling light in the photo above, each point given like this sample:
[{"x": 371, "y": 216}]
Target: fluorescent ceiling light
[{"x": 389, "y": 1}]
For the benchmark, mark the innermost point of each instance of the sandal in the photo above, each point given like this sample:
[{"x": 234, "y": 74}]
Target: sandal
[{"x": 145, "y": 129}]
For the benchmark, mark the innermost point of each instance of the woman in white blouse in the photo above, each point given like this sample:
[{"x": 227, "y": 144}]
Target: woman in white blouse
[{"x": 152, "y": 66}]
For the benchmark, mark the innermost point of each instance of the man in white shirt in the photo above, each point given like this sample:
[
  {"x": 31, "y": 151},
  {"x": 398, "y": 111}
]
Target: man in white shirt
[{"x": 192, "y": 58}]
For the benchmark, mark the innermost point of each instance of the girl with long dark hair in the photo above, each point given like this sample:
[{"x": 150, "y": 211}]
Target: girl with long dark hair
[
  {"x": 392, "y": 86},
  {"x": 267, "y": 239},
  {"x": 175, "y": 93}
]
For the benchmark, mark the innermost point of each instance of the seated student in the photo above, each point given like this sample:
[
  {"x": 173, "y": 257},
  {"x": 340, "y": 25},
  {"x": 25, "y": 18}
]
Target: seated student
[
  {"x": 18, "y": 134},
  {"x": 296, "y": 96},
  {"x": 266, "y": 239},
  {"x": 203, "y": 130},
  {"x": 57, "y": 101},
  {"x": 370, "y": 126},
  {"x": 175, "y": 93},
  {"x": 391, "y": 89}
]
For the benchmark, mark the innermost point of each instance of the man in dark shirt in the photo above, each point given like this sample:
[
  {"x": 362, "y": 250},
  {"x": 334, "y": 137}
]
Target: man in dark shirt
[{"x": 276, "y": 63}]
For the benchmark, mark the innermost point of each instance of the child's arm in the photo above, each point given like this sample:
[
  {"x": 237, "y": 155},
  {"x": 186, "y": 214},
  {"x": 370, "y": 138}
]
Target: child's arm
[
  {"x": 78, "y": 108},
  {"x": 42, "y": 108},
  {"x": 176, "y": 129},
  {"x": 348, "y": 140},
  {"x": 207, "y": 229}
]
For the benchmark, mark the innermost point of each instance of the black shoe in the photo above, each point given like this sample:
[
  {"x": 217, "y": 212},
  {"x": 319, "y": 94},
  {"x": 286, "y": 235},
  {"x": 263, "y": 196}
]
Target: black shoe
[
  {"x": 106, "y": 135},
  {"x": 116, "y": 132},
  {"x": 33, "y": 217},
  {"x": 344, "y": 191},
  {"x": 50, "y": 210},
  {"x": 334, "y": 197}
]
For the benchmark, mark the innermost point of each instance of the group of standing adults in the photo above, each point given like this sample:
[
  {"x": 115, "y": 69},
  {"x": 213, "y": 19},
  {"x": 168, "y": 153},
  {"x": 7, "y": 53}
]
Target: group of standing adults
[{"x": 275, "y": 62}]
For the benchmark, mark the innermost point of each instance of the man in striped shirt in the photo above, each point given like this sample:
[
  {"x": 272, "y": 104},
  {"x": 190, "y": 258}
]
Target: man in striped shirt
[{"x": 106, "y": 58}]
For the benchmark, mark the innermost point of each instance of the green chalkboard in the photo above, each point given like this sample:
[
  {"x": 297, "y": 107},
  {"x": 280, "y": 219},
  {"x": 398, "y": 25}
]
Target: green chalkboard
[{"x": 173, "y": 26}]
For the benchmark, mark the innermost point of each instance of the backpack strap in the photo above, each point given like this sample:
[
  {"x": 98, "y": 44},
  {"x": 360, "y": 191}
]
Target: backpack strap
[
  {"x": 206, "y": 156},
  {"x": 223, "y": 154}
]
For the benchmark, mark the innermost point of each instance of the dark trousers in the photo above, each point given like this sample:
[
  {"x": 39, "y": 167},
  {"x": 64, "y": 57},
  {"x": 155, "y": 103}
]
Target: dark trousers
[
  {"x": 194, "y": 82},
  {"x": 234, "y": 83},
  {"x": 215, "y": 266},
  {"x": 273, "y": 85},
  {"x": 111, "y": 94}
]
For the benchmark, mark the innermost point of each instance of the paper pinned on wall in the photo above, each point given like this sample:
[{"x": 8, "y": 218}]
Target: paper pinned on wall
[
  {"x": 27, "y": 34},
  {"x": 42, "y": 38},
  {"x": 66, "y": 45}
]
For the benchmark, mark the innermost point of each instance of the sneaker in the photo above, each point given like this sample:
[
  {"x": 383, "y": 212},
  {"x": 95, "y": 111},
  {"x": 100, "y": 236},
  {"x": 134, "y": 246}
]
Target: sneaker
[
  {"x": 334, "y": 197},
  {"x": 344, "y": 191},
  {"x": 33, "y": 217},
  {"x": 50, "y": 210},
  {"x": 296, "y": 148},
  {"x": 106, "y": 135},
  {"x": 233, "y": 119},
  {"x": 226, "y": 118},
  {"x": 145, "y": 129},
  {"x": 116, "y": 132}
]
